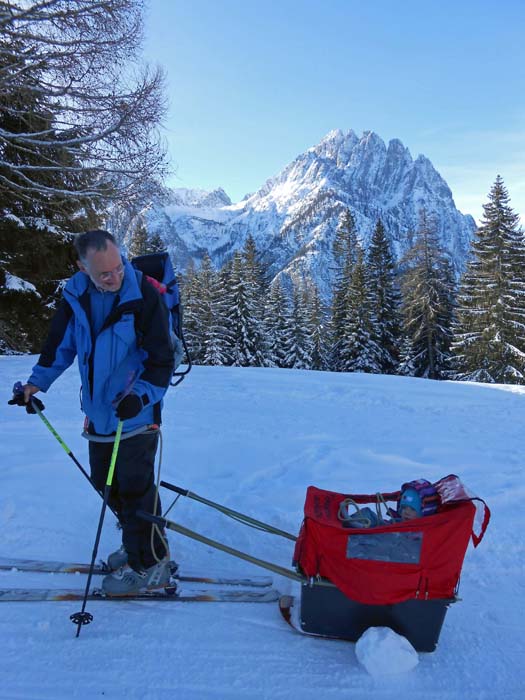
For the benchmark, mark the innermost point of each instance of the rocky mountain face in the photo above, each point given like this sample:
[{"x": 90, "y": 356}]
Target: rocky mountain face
[{"x": 293, "y": 217}]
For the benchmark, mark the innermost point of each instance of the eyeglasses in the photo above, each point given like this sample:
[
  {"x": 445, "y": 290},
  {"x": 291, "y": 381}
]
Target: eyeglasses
[{"x": 107, "y": 276}]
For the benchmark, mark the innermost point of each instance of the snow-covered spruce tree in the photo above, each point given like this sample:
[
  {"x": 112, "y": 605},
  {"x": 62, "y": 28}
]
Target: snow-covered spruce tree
[
  {"x": 140, "y": 243},
  {"x": 345, "y": 252},
  {"x": 406, "y": 355},
  {"x": 345, "y": 244},
  {"x": 385, "y": 299},
  {"x": 212, "y": 315},
  {"x": 244, "y": 317},
  {"x": 299, "y": 343},
  {"x": 277, "y": 325},
  {"x": 205, "y": 296},
  {"x": 428, "y": 304},
  {"x": 155, "y": 244},
  {"x": 254, "y": 270},
  {"x": 489, "y": 335},
  {"x": 317, "y": 324},
  {"x": 359, "y": 351},
  {"x": 193, "y": 328}
]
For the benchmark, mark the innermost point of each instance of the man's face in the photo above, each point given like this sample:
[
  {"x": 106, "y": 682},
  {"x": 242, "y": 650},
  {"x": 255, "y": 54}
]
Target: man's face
[{"x": 104, "y": 267}]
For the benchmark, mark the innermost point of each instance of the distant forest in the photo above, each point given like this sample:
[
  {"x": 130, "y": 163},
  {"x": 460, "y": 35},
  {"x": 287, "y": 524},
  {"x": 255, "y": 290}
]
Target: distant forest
[{"x": 412, "y": 318}]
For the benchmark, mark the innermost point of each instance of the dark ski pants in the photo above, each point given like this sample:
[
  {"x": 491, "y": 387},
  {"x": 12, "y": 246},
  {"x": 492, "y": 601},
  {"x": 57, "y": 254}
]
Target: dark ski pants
[{"x": 133, "y": 489}]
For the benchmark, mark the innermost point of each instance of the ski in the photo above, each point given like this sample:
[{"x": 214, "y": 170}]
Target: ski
[
  {"x": 286, "y": 603},
  {"x": 101, "y": 569},
  {"x": 170, "y": 595}
]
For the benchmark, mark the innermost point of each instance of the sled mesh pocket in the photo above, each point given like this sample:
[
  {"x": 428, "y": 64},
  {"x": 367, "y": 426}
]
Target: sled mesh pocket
[{"x": 398, "y": 547}]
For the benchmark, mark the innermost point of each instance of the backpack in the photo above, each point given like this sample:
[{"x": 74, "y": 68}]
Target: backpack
[{"x": 157, "y": 270}]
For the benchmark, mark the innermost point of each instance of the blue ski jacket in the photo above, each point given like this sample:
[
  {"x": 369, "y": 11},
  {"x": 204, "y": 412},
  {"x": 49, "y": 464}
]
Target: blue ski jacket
[{"x": 119, "y": 359}]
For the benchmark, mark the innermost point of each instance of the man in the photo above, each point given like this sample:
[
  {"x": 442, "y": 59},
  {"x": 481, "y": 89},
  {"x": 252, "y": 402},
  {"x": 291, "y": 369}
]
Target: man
[{"x": 124, "y": 376}]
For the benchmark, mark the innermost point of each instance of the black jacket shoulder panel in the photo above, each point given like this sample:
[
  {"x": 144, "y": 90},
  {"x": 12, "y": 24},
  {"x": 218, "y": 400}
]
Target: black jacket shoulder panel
[{"x": 56, "y": 334}]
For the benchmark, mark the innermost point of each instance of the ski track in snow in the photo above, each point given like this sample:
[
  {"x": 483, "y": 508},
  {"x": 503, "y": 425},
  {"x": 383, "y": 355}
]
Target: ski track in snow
[{"x": 254, "y": 439}]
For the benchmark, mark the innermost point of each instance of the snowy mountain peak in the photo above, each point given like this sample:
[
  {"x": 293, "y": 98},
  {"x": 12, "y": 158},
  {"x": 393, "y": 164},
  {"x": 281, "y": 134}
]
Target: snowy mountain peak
[
  {"x": 293, "y": 217},
  {"x": 371, "y": 139},
  {"x": 396, "y": 149},
  {"x": 335, "y": 145},
  {"x": 185, "y": 197}
]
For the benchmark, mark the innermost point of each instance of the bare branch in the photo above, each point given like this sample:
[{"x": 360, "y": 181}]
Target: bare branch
[{"x": 79, "y": 117}]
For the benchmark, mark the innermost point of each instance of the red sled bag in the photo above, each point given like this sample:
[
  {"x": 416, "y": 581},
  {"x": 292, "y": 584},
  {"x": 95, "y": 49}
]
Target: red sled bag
[{"x": 394, "y": 562}]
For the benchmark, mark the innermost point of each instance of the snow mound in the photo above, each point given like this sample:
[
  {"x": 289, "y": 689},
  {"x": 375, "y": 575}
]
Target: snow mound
[{"x": 384, "y": 652}]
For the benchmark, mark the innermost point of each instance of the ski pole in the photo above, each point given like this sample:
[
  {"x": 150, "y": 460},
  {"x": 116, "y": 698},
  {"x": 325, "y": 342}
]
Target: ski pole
[
  {"x": 38, "y": 407},
  {"x": 83, "y": 617},
  {"x": 60, "y": 441},
  {"x": 67, "y": 450}
]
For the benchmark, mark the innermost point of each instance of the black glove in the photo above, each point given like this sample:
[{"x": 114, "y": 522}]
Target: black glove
[
  {"x": 18, "y": 400},
  {"x": 130, "y": 406}
]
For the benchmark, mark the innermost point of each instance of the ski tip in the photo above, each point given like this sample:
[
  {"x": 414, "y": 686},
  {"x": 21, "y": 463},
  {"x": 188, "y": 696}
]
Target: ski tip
[{"x": 286, "y": 603}]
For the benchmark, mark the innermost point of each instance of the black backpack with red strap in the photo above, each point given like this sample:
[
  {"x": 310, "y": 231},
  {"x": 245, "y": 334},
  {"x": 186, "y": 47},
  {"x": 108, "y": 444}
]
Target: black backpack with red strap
[{"x": 157, "y": 270}]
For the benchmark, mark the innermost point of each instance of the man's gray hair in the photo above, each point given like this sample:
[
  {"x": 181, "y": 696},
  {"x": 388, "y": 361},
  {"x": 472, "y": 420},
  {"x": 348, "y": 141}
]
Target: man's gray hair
[{"x": 92, "y": 240}]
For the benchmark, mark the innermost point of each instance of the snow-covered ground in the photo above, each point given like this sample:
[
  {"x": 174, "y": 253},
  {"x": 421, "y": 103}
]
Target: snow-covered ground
[{"x": 254, "y": 439}]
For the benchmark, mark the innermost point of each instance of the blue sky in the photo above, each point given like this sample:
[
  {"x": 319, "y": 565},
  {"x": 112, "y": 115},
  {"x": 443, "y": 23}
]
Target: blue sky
[{"x": 251, "y": 85}]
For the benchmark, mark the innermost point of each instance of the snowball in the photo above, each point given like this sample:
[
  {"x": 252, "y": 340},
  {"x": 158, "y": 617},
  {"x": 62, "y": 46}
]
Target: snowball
[{"x": 383, "y": 652}]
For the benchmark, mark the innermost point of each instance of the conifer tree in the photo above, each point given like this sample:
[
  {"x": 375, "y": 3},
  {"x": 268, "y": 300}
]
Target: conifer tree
[
  {"x": 247, "y": 349},
  {"x": 345, "y": 241},
  {"x": 212, "y": 315},
  {"x": 427, "y": 304},
  {"x": 299, "y": 345},
  {"x": 317, "y": 323},
  {"x": 254, "y": 272},
  {"x": 277, "y": 324},
  {"x": 345, "y": 252},
  {"x": 385, "y": 299},
  {"x": 489, "y": 335},
  {"x": 139, "y": 239},
  {"x": 155, "y": 244},
  {"x": 359, "y": 351},
  {"x": 193, "y": 327},
  {"x": 406, "y": 354}
]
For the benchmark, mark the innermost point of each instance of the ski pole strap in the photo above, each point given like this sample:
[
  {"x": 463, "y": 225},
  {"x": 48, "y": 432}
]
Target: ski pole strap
[
  {"x": 240, "y": 517},
  {"x": 162, "y": 522},
  {"x": 116, "y": 444}
]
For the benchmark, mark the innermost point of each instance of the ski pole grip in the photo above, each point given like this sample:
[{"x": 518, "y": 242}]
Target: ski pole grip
[{"x": 177, "y": 489}]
